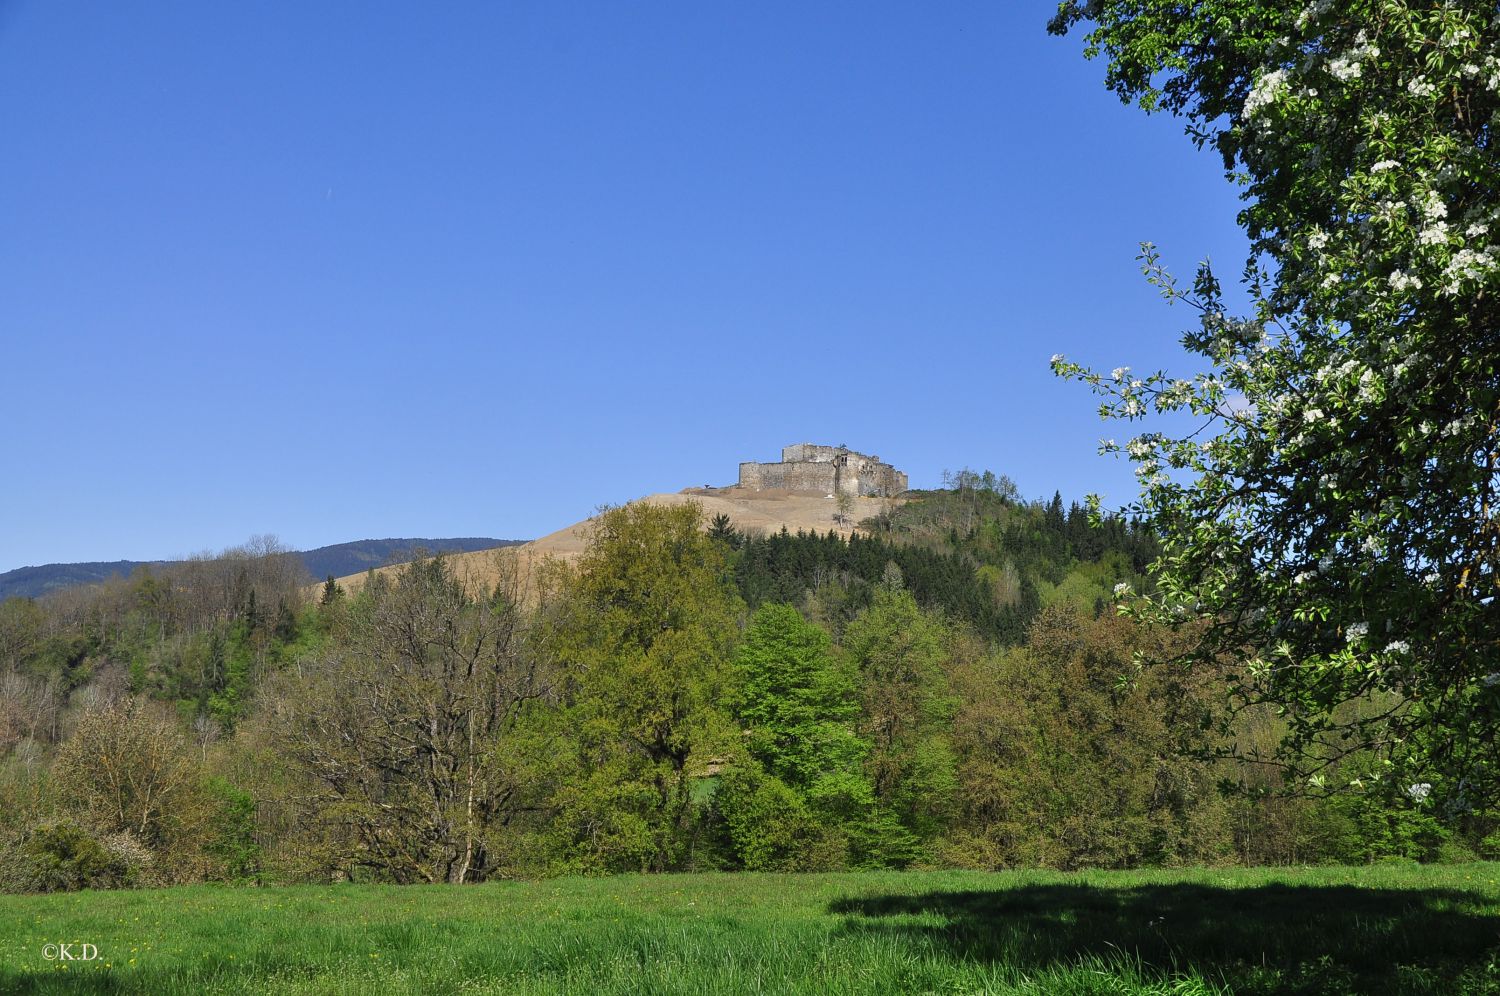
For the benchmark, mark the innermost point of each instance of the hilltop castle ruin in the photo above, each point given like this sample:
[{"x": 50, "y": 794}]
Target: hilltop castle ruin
[{"x": 832, "y": 470}]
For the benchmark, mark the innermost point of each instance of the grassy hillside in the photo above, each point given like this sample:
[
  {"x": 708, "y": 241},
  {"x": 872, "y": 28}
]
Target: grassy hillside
[{"x": 1369, "y": 930}]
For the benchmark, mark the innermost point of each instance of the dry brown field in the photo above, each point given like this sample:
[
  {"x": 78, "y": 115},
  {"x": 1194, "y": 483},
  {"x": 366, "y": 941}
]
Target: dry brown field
[{"x": 754, "y": 512}]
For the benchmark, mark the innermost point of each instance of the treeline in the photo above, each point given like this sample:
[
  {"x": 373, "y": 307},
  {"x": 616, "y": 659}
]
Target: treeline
[
  {"x": 948, "y": 692},
  {"x": 974, "y": 552},
  {"x": 843, "y": 576}
]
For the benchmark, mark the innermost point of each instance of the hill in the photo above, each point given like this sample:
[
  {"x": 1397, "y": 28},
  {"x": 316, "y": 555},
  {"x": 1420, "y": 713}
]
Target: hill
[
  {"x": 361, "y": 555},
  {"x": 338, "y": 559},
  {"x": 752, "y": 512}
]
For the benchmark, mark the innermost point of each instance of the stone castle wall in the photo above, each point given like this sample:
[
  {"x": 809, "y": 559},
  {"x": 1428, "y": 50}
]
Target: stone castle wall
[
  {"x": 791, "y": 476},
  {"x": 811, "y": 453},
  {"x": 825, "y": 469}
]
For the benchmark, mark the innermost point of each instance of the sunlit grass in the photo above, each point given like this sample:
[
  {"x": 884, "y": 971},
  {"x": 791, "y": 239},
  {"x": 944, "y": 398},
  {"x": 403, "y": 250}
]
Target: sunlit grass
[{"x": 1381, "y": 930}]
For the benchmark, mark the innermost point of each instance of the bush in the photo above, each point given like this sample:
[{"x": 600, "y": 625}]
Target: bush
[{"x": 62, "y": 857}]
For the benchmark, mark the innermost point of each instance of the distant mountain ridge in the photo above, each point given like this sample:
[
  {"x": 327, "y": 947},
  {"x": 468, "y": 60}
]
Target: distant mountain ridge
[{"x": 339, "y": 560}]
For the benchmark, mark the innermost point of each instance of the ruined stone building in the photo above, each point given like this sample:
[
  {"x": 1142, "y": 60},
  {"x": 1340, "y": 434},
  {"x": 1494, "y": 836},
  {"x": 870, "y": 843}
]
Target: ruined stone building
[{"x": 829, "y": 470}]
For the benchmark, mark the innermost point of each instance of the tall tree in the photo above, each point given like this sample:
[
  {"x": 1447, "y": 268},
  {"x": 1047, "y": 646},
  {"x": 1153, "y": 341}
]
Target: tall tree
[
  {"x": 400, "y": 727},
  {"x": 899, "y": 653},
  {"x": 1070, "y": 758},
  {"x": 798, "y": 703},
  {"x": 721, "y": 528},
  {"x": 1335, "y": 513},
  {"x": 649, "y": 622}
]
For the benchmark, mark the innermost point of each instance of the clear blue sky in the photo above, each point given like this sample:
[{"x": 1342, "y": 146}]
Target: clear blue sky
[{"x": 344, "y": 270}]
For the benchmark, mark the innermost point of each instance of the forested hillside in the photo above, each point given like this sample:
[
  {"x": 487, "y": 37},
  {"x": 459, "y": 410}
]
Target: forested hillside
[
  {"x": 952, "y": 689},
  {"x": 340, "y": 559}
]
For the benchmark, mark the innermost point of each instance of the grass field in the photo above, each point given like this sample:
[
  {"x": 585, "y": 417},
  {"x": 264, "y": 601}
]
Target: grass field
[{"x": 1331, "y": 930}]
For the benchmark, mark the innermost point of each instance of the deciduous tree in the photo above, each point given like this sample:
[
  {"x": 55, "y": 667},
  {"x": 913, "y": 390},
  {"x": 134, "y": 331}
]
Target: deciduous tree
[
  {"x": 898, "y": 652},
  {"x": 1332, "y": 512},
  {"x": 650, "y": 619},
  {"x": 400, "y": 727}
]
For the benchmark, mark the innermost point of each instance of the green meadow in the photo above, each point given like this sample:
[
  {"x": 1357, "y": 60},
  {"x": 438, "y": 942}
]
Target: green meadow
[{"x": 1384, "y": 929}]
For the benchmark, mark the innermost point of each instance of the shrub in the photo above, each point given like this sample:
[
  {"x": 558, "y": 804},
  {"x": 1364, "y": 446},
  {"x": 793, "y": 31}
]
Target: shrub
[{"x": 62, "y": 857}]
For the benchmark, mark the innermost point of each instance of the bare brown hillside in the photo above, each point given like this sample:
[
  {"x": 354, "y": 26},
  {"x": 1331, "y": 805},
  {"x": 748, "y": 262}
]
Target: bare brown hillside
[{"x": 750, "y": 511}]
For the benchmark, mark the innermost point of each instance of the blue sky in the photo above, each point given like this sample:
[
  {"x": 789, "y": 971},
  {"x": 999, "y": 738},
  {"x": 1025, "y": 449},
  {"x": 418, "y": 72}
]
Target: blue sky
[{"x": 344, "y": 270}]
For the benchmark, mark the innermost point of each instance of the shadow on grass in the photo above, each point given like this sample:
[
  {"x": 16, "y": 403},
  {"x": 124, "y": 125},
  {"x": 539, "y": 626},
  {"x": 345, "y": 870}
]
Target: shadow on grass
[{"x": 1271, "y": 938}]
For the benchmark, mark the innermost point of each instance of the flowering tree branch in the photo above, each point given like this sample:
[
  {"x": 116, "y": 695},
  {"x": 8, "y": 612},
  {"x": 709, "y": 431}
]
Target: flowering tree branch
[{"x": 1332, "y": 523}]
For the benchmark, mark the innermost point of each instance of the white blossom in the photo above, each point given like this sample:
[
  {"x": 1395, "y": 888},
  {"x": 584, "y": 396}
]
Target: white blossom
[
  {"x": 1421, "y": 87},
  {"x": 1419, "y": 791},
  {"x": 1393, "y": 211},
  {"x": 1356, "y": 631},
  {"x": 1345, "y": 69},
  {"x": 1466, "y": 265},
  {"x": 1433, "y": 234},
  {"x": 1266, "y": 91},
  {"x": 1311, "y": 13},
  {"x": 1401, "y": 281}
]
